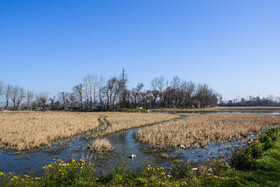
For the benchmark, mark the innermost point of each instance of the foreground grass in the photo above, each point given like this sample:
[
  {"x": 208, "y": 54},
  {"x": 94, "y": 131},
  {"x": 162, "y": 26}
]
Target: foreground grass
[{"x": 259, "y": 165}]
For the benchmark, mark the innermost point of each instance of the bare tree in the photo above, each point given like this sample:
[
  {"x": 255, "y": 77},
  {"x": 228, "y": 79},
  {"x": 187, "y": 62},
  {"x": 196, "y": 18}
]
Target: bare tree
[
  {"x": 63, "y": 97},
  {"x": 159, "y": 84},
  {"x": 21, "y": 95},
  {"x": 42, "y": 99},
  {"x": 101, "y": 92},
  {"x": 1, "y": 90},
  {"x": 135, "y": 93},
  {"x": 111, "y": 90},
  {"x": 88, "y": 84},
  {"x": 8, "y": 91},
  {"x": 95, "y": 85},
  {"x": 78, "y": 91},
  {"x": 29, "y": 98},
  {"x": 14, "y": 95}
]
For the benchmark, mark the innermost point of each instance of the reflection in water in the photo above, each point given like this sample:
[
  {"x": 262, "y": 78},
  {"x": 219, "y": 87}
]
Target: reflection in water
[{"x": 124, "y": 144}]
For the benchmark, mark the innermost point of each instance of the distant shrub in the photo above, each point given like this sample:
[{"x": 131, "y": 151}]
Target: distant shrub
[
  {"x": 123, "y": 109},
  {"x": 144, "y": 110}
]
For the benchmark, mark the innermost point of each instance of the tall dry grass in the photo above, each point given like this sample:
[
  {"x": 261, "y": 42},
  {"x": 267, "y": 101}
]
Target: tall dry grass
[
  {"x": 101, "y": 145},
  {"x": 123, "y": 121},
  {"x": 27, "y": 130},
  {"x": 202, "y": 129}
]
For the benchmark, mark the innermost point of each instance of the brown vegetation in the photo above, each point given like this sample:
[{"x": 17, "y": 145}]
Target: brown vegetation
[
  {"x": 123, "y": 121},
  {"x": 201, "y": 129},
  {"x": 101, "y": 145},
  {"x": 27, "y": 130}
]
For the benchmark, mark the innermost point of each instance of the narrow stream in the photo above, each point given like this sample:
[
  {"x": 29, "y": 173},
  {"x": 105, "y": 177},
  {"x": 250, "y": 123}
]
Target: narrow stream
[{"x": 31, "y": 162}]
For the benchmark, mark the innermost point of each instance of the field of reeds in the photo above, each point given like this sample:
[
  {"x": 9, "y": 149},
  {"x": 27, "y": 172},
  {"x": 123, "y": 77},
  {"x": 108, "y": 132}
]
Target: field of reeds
[
  {"x": 123, "y": 121},
  {"x": 201, "y": 129},
  {"x": 28, "y": 130}
]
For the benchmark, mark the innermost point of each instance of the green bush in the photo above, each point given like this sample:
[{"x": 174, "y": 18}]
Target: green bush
[
  {"x": 270, "y": 136},
  {"x": 180, "y": 170},
  {"x": 218, "y": 166},
  {"x": 256, "y": 149},
  {"x": 241, "y": 159}
]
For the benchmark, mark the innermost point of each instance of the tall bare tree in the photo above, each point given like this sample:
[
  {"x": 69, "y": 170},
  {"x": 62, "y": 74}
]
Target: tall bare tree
[
  {"x": 159, "y": 84},
  {"x": 135, "y": 93},
  {"x": 78, "y": 91},
  {"x": 14, "y": 95},
  {"x": 20, "y": 97},
  {"x": 1, "y": 90},
  {"x": 29, "y": 98},
  {"x": 8, "y": 91}
]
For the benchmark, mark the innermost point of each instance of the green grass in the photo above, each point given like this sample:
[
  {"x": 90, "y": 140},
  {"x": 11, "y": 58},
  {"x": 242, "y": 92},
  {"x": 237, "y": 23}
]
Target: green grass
[{"x": 264, "y": 155}]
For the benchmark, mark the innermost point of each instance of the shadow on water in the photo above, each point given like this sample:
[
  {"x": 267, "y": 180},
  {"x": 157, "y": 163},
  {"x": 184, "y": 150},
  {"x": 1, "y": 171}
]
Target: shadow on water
[{"x": 31, "y": 162}]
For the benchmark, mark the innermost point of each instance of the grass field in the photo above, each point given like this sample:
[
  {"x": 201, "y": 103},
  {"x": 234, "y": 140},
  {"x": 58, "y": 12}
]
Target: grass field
[
  {"x": 27, "y": 130},
  {"x": 202, "y": 129}
]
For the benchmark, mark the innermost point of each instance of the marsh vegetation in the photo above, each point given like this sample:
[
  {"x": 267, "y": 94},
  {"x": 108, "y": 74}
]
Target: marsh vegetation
[
  {"x": 199, "y": 130},
  {"x": 101, "y": 145},
  {"x": 28, "y": 130}
]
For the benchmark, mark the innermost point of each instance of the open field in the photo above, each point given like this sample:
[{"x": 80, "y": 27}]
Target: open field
[
  {"x": 202, "y": 129},
  {"x": 27, "y": 130}
]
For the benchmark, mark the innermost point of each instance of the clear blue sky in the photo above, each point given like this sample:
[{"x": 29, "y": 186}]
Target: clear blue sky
[{"x": 232, "y": 45}]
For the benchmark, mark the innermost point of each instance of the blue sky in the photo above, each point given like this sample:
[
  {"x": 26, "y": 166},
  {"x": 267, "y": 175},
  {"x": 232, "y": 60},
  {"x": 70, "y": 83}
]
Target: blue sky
[{"x": 233, "y": 45}]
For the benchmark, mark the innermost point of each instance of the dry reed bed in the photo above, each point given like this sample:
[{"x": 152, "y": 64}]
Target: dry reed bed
[
  {"x": 27, "y": 130},
  {"x": 202, "y": 129},
  {"x": 124, "y": 121},
  {"x": 34, "y": 129},
  {"x": 101, "y": 145}
]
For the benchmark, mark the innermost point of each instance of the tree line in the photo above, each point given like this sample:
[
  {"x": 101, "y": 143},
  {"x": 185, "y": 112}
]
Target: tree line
[
  {"x": 97, "y": 93},
  {"x": 253, "y": 101}
]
